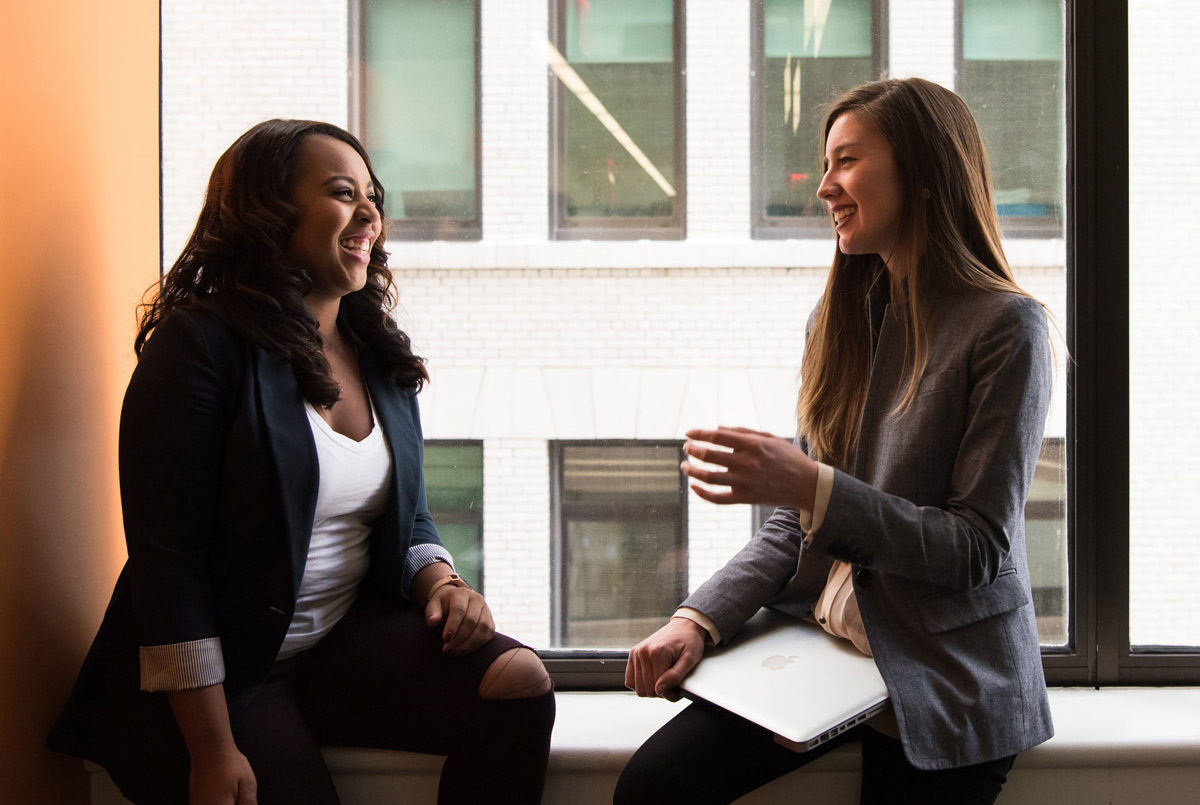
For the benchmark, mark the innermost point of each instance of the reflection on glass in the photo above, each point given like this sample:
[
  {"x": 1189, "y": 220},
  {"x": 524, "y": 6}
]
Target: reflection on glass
[
  {"x": 1046, "y": 542},
  {"x": 812, "y": 52},
  {"x": 419, "y": 104},
  {"x": 622, "y": 52},
  {"x": 624, "y": 550},
  {"x": 454, "y": 490},
  {"x": 1012, "y": 78}
]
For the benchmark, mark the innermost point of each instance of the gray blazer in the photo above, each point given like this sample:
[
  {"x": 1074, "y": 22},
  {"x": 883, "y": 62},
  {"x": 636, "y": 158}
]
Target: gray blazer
[{"x": 931, "y": 517}]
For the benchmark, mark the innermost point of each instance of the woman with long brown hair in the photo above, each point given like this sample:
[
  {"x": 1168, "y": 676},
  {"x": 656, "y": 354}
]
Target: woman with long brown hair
[
  {"x": 925, "y": 385},
  {"x": 286, "y": 587}
]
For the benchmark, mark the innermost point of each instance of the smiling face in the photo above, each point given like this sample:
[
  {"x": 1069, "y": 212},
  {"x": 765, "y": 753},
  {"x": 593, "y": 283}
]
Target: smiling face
[
  {"x": 862, "y": 187},
  {"x": 338, "y": 222}
]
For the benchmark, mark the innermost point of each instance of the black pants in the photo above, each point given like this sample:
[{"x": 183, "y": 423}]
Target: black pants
[
  {"x": 707, "y": 755},
  {"x": 380, "y": 680}
]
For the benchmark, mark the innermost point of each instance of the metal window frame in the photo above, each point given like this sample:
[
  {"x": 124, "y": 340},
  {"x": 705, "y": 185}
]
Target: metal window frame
[
  {"x": 564, "y": 227},
  {"x": 1017, "y": 226},
  {"x": 1099, "y": 292},
  {"x": 1097, "y": 331},
  {"x": 763, "y": 226},
  {"x": 415, "y": 229},
  {"x": 587, "y": 669}
]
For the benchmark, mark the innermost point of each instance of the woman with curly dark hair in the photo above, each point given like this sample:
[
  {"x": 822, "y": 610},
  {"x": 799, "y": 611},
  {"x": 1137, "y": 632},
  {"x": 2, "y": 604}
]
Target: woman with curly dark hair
[{"x": 286, "y": 588}]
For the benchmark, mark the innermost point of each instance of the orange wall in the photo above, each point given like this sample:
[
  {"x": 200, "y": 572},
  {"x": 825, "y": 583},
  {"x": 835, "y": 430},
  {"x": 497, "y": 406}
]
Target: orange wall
[{"x": 78, "y": 245}]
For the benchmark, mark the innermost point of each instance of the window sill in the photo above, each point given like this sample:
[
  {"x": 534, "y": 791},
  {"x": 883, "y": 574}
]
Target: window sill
[{"x": 1111, "y": 745}]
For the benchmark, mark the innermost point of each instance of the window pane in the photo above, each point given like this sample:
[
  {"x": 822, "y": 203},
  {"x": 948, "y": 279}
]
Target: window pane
[
  {"x": 454, "y": 491},
  {"x": 419, "y": 105},
  {"x": 623, "y": 542},
  {"x": 1046, "y": 542},
  {"x": 618, "y": 104},
  {"x": 812, "y": 52},
  {"x": 1164, "y": 330},
  {"x": 1012, "y": 78}
]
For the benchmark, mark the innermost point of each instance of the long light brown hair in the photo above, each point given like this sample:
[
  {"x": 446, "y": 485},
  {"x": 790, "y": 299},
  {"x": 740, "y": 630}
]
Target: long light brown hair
[{"x": 949, "y": 239}]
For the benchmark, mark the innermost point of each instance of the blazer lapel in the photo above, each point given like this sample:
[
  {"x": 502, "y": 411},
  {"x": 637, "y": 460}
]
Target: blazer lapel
[
  {"x": 290, "y": 442},
  {"x": 393, "y": 410}
]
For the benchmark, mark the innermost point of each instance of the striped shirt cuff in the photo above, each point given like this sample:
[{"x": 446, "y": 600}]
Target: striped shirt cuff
[
  {"x": 420, "y": 556},
  {"x": 182, "y": 666}
]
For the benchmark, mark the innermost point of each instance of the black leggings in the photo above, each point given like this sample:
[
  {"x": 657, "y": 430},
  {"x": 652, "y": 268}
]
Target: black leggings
[
  {"x": 380, "y": 680},
  {"x": 707, "y": 755}
]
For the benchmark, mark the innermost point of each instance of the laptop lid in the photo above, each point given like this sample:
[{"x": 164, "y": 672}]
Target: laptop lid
[{"x": 790, "y": 677}]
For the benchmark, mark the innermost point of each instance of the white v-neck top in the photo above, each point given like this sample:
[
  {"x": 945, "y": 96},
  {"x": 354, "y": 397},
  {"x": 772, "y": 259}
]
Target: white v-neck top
[{"x": 352, "y": 493}]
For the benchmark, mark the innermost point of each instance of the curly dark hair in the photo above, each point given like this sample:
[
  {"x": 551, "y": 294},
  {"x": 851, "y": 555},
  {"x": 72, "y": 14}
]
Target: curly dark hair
[{"x": 236, "y": 263}]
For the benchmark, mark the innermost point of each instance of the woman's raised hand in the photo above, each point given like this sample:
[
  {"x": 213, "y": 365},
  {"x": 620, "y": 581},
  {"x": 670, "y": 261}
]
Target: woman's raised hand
[{"x": 756, "y": 467}]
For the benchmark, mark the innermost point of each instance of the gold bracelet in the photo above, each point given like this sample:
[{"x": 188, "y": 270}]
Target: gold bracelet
[{"x": 453, "y": 578}]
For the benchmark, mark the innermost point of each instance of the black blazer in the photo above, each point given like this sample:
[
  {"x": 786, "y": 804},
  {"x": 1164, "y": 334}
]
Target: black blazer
[{"x": 218, "y": 487}]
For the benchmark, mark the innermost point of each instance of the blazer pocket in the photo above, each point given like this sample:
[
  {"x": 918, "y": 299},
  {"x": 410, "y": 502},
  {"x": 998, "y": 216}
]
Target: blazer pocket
[
  {"x": 959, "y": 608},
  {"x": 938, "y": 381}
]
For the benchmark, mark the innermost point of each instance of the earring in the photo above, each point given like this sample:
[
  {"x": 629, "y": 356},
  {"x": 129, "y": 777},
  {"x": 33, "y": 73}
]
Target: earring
[{"x": 925, "y": 194}]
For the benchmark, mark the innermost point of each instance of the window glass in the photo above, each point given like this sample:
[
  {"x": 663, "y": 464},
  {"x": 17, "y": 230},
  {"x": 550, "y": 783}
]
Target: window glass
[
  {"x": 419, "y": 109},
  {"x": 616, "y": 88},
  {"x": 812, "y": 52},
  {"x": 1164, "y": 330},
  {"x": 622, "y": 538},
  {"x": 1046, "y": 542},
  {"x": 1012, "y": 78},
  {"x": 531, "y": 343},
  {"x": 454, "y": 491}
]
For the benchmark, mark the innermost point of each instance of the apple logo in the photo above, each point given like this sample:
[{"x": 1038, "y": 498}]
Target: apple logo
[{"x": 777, "y": 662}]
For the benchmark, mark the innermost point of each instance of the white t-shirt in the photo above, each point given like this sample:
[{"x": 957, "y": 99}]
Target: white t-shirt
[{"x": 352, "y": 493}]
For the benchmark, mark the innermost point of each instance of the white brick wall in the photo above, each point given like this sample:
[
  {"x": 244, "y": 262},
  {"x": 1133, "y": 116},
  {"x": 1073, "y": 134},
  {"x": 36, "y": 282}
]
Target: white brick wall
[
  {"x": 516, "y": 541},
  {"x": 228, "y": 65},
  {"x": 531, "y": 340},
  {"x": 514, "y": 119},
  {"x": 718, "y": 119},
  {"x": 921, "y": 40}
]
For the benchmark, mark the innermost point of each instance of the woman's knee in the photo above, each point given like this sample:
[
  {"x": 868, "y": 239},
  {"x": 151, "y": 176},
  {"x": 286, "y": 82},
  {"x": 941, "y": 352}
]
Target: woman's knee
[{"x": 515, "y": 674}]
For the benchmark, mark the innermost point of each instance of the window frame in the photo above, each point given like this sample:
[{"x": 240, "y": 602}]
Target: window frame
[
  {"x": 556, "y": 449},
  {"x": 477, "y": 514},
  {"x": 1099, "y": 342},
  {"x": 562, "y": 226},
  {"x": 763, "y": 226},
  {"x": 1097, "y": 334},
  {"x": 415, "y": 229},
  {"x": 1021, "y": 226}
]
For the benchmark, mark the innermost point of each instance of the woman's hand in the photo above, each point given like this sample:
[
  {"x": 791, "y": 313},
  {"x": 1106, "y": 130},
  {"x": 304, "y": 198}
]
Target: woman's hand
[
  {"x": 758, "y": 468},
  {"x": 222, "y": 778},
  {"x": 220, "y": 773},
  {"x": 465, "y": 617},
  {"x": 660, "y": 662}
]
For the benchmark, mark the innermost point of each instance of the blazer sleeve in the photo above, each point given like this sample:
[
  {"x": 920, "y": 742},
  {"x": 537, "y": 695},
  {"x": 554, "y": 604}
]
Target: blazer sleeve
[
  {"x": 965, "y": 541},
  {"x": 175, "y": 422},
  {"x": 766, "y": 570},
  {"x": 426, "y": 546}
]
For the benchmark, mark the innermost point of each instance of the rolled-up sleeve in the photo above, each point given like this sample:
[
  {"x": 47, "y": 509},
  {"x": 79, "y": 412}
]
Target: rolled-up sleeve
[
  {"x": 182, "y": 666},
  {"x": 175, "y": 423}
]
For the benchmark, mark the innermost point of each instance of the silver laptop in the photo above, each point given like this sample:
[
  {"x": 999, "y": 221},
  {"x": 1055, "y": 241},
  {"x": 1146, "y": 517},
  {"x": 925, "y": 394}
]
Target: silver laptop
[{"x": 790, "y": 677}]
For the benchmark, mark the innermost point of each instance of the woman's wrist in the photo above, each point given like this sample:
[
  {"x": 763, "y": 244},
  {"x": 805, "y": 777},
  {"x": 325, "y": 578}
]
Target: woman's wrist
[{"x": 449, "y": 580}]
